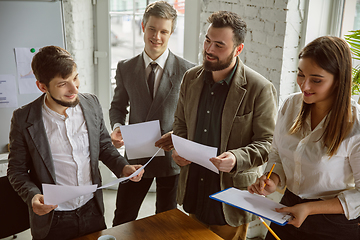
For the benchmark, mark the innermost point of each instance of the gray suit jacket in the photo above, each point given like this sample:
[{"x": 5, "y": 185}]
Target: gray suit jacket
[
  {"x": 30, "y": 159},
  {"x": 132, "y": 89}
]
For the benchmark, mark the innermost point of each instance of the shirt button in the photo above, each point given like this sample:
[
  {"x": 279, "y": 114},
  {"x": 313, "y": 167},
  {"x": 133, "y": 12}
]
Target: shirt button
[
  {"x": 201, "y": 179},
  {"x": 212, "y": 93},
  {"x": 208, "y": 111},
  {"x": 205, "y": 130}
]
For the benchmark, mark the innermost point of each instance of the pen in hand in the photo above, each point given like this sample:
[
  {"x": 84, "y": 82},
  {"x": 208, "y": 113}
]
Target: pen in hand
[{"x": 268, "y": 176}]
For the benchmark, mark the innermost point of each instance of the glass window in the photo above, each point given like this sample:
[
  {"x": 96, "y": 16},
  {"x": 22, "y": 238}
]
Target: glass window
[
  {"x": 357, "y": 16},
  {"x": 126, "y": 35}
]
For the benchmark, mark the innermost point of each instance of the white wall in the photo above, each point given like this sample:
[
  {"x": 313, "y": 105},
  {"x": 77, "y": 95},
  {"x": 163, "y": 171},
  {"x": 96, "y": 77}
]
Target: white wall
[
  {"x": 79, "y": 34},
  {"x": 273, "y": 39}
]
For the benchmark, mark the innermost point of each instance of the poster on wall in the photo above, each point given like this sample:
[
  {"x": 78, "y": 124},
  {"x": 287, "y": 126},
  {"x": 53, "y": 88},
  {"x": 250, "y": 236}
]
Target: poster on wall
[
  {"x": 26, "y": 77},
  {"x": 8, "y": 92}
]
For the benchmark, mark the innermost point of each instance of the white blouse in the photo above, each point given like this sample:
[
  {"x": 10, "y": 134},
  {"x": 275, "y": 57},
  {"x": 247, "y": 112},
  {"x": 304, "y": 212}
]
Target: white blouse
[{"x": 303, "y": 165}]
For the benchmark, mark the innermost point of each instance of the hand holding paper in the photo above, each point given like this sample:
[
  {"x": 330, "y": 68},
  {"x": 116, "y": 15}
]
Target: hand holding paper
[
  {"x": 225, "y": 162},
  {"x": 140, "y": 139},
  {"x": 117, "y": 138},
  {"x": 165, "y": 142},
  {"x": 39, "y": 207},
  {"x": 195, "y": 152},
  {"x": 119, "y": 180},
  {"x": 56, "y": 194},
  {"x": 179, "y": 160},
  {"x": 129, "y": 170}
]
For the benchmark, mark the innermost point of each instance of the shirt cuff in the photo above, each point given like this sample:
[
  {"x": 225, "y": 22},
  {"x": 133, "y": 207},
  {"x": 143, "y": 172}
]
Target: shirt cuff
[
  {"x": 116, "y": 125},
  {"x": 349, "y": 200}
]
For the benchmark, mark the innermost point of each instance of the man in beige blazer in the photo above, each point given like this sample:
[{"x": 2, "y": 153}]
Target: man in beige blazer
[{"x": 227, "y": 105}]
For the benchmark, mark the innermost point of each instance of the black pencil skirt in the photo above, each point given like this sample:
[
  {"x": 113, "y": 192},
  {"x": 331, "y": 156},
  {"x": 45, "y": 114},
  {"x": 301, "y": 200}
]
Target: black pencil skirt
[{"x": 317, "y": 227}]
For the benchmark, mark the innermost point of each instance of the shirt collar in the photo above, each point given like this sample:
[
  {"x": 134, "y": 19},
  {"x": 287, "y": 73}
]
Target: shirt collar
[{"x": 160, "y": 60}]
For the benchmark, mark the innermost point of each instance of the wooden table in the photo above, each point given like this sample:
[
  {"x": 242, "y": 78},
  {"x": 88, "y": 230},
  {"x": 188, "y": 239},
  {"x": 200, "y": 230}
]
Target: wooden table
[{"x": 169, "y": 225}]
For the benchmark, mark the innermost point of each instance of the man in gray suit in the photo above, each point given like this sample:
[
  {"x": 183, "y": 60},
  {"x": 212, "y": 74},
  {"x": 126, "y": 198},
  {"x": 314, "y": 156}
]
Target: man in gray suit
[
  {"x": 58, "y": 139},
  {"x": 150, "y": 84}
]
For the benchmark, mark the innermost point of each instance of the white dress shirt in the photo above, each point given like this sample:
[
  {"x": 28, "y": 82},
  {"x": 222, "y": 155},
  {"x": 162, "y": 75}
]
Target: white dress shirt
[
  {"x": 69, "y": 144},
  {"x": 158, "y": 72},
  {"x": 304, "y": 166}
]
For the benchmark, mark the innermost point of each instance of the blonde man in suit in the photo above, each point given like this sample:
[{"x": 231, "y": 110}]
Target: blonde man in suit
[
  {"x": 150, "y": 84},
  {"x": 227, "y": 105}
]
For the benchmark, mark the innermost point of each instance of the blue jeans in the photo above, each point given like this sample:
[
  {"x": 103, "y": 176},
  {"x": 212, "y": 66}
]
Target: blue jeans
[
  {"x": 319, "y": 227},
  {"x": 76, "y": 223}
]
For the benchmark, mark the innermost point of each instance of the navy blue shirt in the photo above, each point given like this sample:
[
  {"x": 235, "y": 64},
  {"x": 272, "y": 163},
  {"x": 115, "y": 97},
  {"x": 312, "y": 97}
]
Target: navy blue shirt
[{"x": 203, "y": 182}]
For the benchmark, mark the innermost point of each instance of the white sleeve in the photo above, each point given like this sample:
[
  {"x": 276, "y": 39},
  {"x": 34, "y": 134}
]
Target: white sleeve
[{"x": 350, "y": 198}]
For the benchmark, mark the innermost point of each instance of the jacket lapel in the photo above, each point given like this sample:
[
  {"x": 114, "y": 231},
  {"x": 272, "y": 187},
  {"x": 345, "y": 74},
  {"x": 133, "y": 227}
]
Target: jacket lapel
[
  {"x": 233, "y": 101},
  {"x": 138, "y": 74},
  {"x": 92, "y": 121},
  {"x": 194, "y": 93},
  {"x": 37, "y": 132}
]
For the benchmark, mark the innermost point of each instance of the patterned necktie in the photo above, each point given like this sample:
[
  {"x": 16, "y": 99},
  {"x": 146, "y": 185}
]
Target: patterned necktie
[{"x": 151, "y": 78}]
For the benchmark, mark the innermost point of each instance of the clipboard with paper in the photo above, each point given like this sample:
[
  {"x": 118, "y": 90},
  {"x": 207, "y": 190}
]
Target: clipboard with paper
[{"x": 255, "y": 204}]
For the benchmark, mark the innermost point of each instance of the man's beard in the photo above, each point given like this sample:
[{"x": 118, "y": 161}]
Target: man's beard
[
  {"x": 66, "y": 104},
  {"x": 219, "y": 65}
]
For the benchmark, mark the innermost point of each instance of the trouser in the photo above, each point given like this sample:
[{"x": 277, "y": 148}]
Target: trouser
[
  {"x": 227, "y": 232},
  {"x": 319, "y": 226},
  {"x": 130, "y": 196},
  {"x": 76, "y": 223}
]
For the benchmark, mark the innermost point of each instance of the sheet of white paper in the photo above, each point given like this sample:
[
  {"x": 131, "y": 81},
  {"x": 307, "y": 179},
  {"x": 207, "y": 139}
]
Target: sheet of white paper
[
  {"x": 56, "y": 194},
  {"x": 26, "y": 77},
  {"x": 195, "y": 152},
  {"x": 140, "y": 139},
  {"x": 8, "y": 91},
  {"x": 119, "y": 180},
  {"x": 256, "y": 204}
]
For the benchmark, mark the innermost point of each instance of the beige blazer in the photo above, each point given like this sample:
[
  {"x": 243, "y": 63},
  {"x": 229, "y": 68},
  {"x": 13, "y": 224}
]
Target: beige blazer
[{"x": 248, "y": 122}]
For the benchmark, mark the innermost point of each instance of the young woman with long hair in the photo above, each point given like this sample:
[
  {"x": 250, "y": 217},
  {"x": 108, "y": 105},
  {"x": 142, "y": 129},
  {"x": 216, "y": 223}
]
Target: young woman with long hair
[{"x": 316, "y": 148}]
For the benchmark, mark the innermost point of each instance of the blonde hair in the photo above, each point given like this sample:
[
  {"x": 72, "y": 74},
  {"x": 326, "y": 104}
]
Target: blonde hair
[{"x": 160, "y": 9}]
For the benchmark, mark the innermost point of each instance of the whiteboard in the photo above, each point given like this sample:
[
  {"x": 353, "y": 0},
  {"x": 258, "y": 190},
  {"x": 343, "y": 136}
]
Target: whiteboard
[{"x": 27, "y": 24}]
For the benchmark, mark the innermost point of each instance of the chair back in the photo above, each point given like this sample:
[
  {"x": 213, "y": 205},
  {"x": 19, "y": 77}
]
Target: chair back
[{"x": 14, "y": 211}]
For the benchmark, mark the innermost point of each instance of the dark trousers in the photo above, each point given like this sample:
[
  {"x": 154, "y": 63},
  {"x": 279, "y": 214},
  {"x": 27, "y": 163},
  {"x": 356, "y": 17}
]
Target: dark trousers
[
  {"x": 76, "y": 223},
  {"x": 130, "y": 196},
  {"x": 319, "y": 227}
]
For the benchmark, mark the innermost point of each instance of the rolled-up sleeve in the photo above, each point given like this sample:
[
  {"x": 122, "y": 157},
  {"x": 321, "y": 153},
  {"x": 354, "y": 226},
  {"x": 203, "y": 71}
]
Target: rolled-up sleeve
[{"x": 350, "y": 198}]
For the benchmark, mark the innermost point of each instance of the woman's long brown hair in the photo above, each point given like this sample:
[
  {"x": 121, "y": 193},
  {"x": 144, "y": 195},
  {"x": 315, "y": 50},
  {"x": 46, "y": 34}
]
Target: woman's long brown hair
[{"x": 333, "y": 55}]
